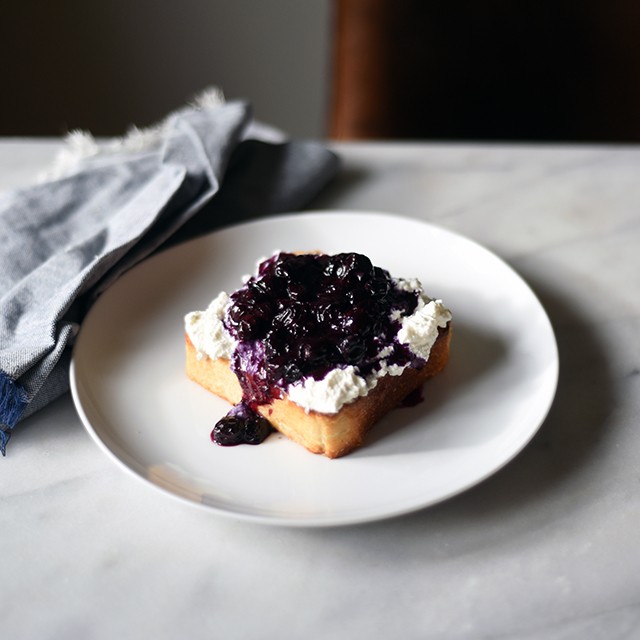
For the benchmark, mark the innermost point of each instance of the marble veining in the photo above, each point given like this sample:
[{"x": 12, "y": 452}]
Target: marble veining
[{"x": 545, "y": 549}]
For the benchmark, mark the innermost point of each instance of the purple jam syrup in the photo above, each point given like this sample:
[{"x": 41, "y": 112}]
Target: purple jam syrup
[
  {"x": 242, "y": 425},
  {"x": 303, "y": 315}
]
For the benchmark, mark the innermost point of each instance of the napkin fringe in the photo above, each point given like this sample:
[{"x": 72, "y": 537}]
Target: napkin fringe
[
  {"x": 80, "y": 145},
  {"x": 13, "y": 401}
]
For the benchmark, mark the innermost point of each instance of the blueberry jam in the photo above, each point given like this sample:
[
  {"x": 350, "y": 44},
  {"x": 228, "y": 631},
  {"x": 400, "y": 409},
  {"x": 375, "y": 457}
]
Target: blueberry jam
[
  {"x": 304, "y": 315},
  {"x": 242, "y": 425}
]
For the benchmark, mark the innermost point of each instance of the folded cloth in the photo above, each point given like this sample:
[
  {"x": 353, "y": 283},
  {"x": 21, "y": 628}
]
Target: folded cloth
[{"x": 63, "y": 241}]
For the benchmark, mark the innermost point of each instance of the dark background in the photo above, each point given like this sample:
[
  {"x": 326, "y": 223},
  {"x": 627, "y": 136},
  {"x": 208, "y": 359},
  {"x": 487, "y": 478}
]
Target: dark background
[{"x": 565, "y": 70}]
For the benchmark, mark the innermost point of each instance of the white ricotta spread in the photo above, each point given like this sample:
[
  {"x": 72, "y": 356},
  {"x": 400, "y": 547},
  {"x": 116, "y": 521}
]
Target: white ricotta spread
[
  {"x": 206, "y": 331},
  {"x": 342, "y": 385},
  {"x": 337, "y": 388},
  {"x": 420, "y": 330}
]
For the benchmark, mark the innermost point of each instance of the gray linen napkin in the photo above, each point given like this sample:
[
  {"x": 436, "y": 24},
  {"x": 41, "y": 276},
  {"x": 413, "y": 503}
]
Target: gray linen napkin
[{"x": 64, "y": 241}]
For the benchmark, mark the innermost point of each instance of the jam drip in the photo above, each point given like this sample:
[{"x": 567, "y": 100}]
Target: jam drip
[
  {"x": 303, "y": 315},
  {"x": 242, "y": 425}
]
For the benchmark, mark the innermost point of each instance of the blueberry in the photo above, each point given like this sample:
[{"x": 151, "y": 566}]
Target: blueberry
[
  {"x": 241, "y": 425},
  {"x": 228, "y": 431},
  {"x": 353, "y": 349},
  {"x": 356, "y": 321},
  {"x": 357, "y": 296},
  {"x": 291, "y": 373},
  {"x": 298, "y": 291},
  {"x": 258, "y": 288},
  {"x": 256, "y": 429},
  {"x": 353, "y": 265},
  {"x": 380, "y": 284},
  {"x": 278, "y": 344},
  {"x": 283, "y": 267}
]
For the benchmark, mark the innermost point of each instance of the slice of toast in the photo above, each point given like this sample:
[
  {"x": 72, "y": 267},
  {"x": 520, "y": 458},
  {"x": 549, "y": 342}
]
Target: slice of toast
[{"x": 333, "y": 435}]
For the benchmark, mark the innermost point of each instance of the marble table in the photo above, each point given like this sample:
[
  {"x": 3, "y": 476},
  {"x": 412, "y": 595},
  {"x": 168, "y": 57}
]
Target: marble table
[{"x": 545, "y": 548}]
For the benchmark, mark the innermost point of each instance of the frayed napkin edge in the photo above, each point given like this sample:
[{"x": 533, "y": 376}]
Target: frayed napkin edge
[{"x": 80, "y": 145}]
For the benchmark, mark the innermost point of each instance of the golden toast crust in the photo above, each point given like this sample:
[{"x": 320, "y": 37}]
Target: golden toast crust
[{"x": 333, "y": 435}]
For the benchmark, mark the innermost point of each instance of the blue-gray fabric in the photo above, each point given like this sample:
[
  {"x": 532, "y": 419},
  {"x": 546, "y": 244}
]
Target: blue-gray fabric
[{"x": 64, "y": 241}]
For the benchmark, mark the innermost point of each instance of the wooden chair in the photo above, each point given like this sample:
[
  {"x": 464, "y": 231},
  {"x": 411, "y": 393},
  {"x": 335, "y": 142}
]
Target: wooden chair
[{"x": 551, "y": 70}]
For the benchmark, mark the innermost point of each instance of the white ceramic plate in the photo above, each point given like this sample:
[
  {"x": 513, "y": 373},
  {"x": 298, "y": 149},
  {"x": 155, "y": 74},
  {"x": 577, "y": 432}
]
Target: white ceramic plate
[{"x": 129, "y": 386}]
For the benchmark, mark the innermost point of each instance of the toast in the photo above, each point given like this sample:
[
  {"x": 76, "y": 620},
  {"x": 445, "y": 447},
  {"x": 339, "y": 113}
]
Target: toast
[{"x": 333, "y": 433}]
